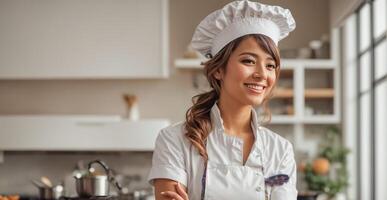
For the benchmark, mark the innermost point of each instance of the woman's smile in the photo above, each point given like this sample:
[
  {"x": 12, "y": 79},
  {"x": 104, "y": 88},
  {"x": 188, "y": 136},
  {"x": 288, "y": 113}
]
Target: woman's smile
[{"x": 256, "y": 88}]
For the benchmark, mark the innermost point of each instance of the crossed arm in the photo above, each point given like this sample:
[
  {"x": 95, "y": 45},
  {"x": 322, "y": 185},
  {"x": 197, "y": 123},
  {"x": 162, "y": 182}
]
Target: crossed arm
[{"x": 166, "y": 189}]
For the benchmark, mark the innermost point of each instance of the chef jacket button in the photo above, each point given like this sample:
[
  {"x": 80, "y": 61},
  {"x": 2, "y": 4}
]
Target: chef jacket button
[{"x": 259, "y": 189}]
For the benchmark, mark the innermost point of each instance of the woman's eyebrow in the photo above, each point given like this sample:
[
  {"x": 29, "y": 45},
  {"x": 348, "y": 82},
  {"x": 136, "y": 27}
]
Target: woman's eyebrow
[
  {"x": 249, "y": 53},
  {"x": 270, "y": 58},
  {"x": 256, "y": 56}
]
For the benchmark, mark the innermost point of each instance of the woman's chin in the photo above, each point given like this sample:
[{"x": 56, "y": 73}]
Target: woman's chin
[{"x": 256, "y": 101}]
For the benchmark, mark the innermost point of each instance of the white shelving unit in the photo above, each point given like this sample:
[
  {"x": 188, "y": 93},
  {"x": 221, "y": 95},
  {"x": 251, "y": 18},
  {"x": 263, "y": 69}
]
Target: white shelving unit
[
  {"x": 77, "y": 133},
  {"x": 299, "y": 94}
]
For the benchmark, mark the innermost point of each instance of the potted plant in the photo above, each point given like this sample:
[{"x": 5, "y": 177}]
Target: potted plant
[{"x": 327, "y": 174}]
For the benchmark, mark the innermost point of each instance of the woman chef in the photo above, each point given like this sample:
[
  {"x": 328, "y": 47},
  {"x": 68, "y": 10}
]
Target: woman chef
[{"x": 220, "y": 151}]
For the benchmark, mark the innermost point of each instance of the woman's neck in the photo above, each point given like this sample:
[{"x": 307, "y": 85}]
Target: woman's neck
[{"x": 236, "y": 118}]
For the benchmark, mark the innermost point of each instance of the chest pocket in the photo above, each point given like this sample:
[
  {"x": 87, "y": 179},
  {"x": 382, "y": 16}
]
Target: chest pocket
[{"x": 233, "y": 182}]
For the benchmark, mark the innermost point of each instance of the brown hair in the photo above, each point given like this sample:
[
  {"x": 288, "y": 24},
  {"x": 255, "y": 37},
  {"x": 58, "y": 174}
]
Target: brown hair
[{"x": 198, "y": 121}]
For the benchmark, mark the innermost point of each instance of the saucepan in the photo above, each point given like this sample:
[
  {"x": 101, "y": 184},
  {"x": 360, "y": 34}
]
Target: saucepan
[
  {"x": 94, "y": 184},
  {"x": 48, "y": 191}
]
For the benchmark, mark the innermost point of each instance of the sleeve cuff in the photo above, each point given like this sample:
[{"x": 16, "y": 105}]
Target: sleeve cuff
[{"x": 167, "y": 172}]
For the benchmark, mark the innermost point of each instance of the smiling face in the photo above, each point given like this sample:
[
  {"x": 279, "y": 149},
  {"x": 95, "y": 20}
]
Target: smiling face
[{"x": 250, "y": 74}]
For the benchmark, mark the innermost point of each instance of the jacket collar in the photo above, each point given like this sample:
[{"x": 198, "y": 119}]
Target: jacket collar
[{"x": 217, "y": 121}]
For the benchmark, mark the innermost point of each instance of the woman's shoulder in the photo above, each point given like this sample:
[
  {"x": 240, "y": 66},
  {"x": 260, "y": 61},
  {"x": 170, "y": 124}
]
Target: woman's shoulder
[
  {"x": 175, "y": 130},
  {"x": 174, "y": 133},
  {"x": 273, "y": 139}
]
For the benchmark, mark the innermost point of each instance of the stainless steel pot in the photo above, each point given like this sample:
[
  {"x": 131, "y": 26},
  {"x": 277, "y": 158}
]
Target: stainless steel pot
[
  {"x": 88, "y": 186},
  {"x": 48, "y": 193},
  {"x": 92, "y": 185}
]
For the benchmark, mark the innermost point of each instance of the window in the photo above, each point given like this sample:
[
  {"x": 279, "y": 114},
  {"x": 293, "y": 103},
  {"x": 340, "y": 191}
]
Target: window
[
  {"x": 366, "y": 85},
  {"x": 380, "y": 17},
  {"x": 365, "y": 150},
  {"x": 350, "y": 82},
  {"x": 381, "y": 138},
  {"x": 365, "y": 26},
  {"x": 365, "y": 71},
  {"x": 380, "y": 60}
]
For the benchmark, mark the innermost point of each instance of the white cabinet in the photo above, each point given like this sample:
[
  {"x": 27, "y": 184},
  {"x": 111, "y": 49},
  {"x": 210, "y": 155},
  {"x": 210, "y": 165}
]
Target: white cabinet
[
  {"x": 307, "y": 92},
  {"x": 78, "y": 133},
  {"x": 83, "y": 39}
]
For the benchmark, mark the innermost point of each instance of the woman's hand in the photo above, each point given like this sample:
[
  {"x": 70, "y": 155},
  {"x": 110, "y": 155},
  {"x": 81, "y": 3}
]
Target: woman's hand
[{"x": 180, "y": 195}]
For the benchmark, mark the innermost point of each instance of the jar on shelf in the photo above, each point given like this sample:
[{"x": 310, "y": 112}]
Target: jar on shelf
[{"x": 132, "y": 109}]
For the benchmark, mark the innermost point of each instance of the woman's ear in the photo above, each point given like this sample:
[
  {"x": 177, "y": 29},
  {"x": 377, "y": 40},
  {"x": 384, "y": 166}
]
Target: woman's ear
[{"x": 219, "y": 74}]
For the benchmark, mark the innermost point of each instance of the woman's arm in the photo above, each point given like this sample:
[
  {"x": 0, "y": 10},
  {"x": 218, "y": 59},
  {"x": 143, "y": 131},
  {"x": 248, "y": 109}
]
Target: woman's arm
[
  {"x": 168, "y": 166},
  {"x": 287, "y": 166},
  {"x": 166, "y": 189}
]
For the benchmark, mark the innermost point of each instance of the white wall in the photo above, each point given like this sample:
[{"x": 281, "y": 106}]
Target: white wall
[
  {"x": 158, "y": 98},
  {"x": 168, "y": 98}
]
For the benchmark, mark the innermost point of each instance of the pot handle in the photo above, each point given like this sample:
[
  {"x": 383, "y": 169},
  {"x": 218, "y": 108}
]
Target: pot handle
[
  {"x": 108, "y": 171},
  {"x": 114, "y": 181},
  {"x": 105, "y": 167}
]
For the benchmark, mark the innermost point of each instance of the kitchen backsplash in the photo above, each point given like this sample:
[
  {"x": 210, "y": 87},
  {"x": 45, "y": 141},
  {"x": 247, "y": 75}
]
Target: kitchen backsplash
[{"x": 19, "y": 168}]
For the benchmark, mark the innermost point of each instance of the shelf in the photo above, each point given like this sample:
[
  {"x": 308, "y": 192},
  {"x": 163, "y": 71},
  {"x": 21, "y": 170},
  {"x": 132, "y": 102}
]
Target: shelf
[
  {"x": 319, "y": 93},
  {"x": 78, "y": 133},
  {"x": 316, "y": 93},
  {"x": 189, "y": 63},
  {"x": 309, "y": 63},
  {"x": 285, "y": 63},
  {"x": 283, "y": 119},
  {"x": 283, "y": 93},
  {"x": 313, "y": 119},
  {"x": 321, "y": 119}
]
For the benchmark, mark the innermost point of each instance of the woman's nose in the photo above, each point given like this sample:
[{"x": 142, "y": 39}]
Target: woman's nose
[{"x": 260, "y": 72}]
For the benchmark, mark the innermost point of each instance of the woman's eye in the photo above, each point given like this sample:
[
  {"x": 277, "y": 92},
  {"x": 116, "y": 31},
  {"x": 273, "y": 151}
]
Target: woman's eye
[
  {"x": 271, "y": 66},
  {"x": 248, "y": 61}
]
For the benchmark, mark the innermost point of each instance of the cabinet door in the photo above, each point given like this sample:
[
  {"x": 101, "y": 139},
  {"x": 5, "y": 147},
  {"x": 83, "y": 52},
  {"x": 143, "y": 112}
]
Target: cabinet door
[{"x": 56, "y": 39}]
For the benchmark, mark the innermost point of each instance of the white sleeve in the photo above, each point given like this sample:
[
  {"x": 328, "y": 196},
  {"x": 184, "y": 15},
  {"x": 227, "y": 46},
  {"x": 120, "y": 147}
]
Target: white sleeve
[
  {"x": 287, "y": 166},
  {"x": 168, "y": 161}
]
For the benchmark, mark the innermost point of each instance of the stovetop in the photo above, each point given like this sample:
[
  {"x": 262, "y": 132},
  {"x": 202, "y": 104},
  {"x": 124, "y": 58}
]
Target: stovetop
[
  {"x": 130, "y": 196},
  {"x": 90, "y": 198},
  {"x": 73, "y": 198}
]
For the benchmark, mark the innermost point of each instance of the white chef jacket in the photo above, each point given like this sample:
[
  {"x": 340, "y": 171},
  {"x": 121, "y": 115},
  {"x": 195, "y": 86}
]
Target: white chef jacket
[{"x": 177, "y": 159}]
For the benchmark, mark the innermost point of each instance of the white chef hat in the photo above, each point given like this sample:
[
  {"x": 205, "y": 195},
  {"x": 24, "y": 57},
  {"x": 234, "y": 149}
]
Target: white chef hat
[{"x": 240, "y": 18}]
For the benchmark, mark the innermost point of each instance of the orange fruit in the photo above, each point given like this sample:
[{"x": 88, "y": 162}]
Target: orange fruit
[{"x": 321, "y": 166}]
